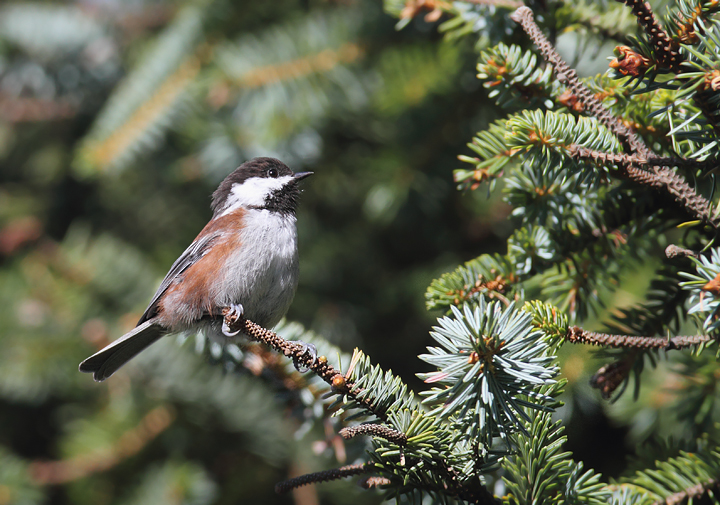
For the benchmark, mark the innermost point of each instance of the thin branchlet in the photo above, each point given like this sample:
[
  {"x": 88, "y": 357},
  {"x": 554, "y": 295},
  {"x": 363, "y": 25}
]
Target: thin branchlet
[
  {"x": 659, "y": 177},
  {"x": 577, "y": 335},
  {"x": 651, "y": 161},
  {"x": 298, "y": 353},
  {"x": 374, "y": 430},
  {"x": 666, "y": 49},
  {"x": 324, "y": 476},
  {"x": 568, "y": 76},
  {"x": 290, "y": 349},
  {"x": 705, "y": 165},
  {"x": 695, "y": 491}
]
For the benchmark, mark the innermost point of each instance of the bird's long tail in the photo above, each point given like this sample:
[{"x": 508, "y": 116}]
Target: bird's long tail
[{"x": 106, "y": 362}]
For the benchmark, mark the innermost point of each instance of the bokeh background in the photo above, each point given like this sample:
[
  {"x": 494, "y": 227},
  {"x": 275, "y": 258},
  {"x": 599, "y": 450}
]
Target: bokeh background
[{"x": 117, "y": 121}]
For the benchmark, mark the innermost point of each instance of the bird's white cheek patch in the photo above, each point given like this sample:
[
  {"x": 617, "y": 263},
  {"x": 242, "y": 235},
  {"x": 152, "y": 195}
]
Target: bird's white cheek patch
[{"x": 253, "y": 191}]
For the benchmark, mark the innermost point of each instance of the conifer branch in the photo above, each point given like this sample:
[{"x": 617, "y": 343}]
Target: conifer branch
[
  {"x": 374, "y": 430},
  {"x": 130, "y": 443},
  {"x": 660, "y": 177},
  {"x": 471, "y": 490},
  {"x": 708, "y": 164},
  {"x": 666, "y": 49},
  {"x": 687, "y": 19},
  {"x": 690, "y": 493},
  {"x": 651, "y": 161},
  {"x": 103, "y": 153},
  {"x": 297, "y": 351},
  {"x": 568, "y": 76},
  {"x": 324, "y": 476},
  {"x": 577, "y": 335},
  {"x": 323, "y": 61}
]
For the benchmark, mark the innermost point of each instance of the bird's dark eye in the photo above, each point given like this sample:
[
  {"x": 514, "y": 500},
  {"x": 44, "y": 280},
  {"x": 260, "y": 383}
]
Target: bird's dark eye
[{"x": 272, "y": 173}]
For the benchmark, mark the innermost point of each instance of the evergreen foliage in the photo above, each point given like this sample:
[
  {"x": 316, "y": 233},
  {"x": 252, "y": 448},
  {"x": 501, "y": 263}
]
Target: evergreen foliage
[{"x": 608, "y": 181}]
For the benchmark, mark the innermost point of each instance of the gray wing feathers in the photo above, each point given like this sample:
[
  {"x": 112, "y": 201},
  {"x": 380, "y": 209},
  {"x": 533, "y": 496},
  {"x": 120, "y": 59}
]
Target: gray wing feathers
[
  {"x": 106, "y": 362},
  {"x": 194, "y": 252}
]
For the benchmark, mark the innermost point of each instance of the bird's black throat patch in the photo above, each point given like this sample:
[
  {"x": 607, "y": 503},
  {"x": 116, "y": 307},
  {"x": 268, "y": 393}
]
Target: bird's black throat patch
[{"x": 284, "y": 200}]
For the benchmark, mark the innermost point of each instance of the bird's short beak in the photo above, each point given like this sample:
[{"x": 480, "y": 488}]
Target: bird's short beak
[{"x": 302, "y": 175}]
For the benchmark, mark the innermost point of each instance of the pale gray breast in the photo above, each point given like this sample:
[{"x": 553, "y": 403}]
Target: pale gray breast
[{"x": 263, "y": 274}]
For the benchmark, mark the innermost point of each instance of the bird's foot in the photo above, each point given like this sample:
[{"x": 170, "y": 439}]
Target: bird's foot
[
  {"x": 308, "y": 349},
  {"x": 232, "y": 314}
]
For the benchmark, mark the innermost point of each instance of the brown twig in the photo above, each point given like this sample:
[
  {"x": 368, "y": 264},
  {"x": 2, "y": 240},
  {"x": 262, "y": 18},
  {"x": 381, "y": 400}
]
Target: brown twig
[
  {"x": 374, "y": 430},
  {"x": 577, "y": 335},
  {"x": 666, "y": 49},
  {"x": 324, "y": 476},
  {"x": 651, "y": 161},
  {"x": 689, "y": 493},
  {"x": 320, "y": 366},
  {"x": 568, "y": 76},
  {"x": 708, "y": 164},
  {"x": 297, "y": 351},
  {"x": 659, "y": 177}
]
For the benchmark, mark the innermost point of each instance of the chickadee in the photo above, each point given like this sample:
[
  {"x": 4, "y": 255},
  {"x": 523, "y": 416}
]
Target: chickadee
[{"x": 245, "y": 259}]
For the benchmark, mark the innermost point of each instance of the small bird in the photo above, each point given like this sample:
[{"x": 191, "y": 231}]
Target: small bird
[{"x": 245, "y": 259}]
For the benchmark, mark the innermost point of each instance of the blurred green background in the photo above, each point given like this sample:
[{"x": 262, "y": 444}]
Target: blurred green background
[{"x": 117, "y": 121}]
